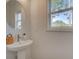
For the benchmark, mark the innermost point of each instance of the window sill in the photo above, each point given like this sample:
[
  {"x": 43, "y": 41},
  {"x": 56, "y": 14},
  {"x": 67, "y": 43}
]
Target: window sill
[{"x": 60, "y": 29}]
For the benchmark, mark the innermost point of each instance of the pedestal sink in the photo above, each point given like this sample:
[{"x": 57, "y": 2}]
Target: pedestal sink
[{"x": 22, "y": 48}]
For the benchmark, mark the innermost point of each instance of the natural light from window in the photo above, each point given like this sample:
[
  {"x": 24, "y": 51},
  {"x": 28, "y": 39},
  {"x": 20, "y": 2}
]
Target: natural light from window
[
  {"x": 18, "y": 20},
  {"x": 60, "y": 12}
]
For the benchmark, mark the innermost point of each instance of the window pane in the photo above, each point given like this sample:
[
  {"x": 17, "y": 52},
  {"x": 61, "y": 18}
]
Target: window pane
[
  {"x": 61, "y": 19},
  {"x": 19, "y": 16},
  {"x": 19, "y": 23},
  {"x": 19, "y": 27},
  {"x": 18, "y": 20},
  {"x": 56, "y": 5}
]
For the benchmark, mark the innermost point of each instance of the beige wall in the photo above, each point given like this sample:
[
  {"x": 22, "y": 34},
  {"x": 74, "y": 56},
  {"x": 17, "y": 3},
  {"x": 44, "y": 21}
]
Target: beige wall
[{"x": 48, "y": 45}]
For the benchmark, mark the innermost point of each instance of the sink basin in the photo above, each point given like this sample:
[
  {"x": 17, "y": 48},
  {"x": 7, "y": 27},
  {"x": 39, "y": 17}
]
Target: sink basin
[
  {"x": 22, "y": 48},
  {"x": 19, "y": 45}
]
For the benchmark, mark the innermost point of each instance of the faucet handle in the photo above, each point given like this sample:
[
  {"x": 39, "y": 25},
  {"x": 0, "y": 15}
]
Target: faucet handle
[{"x": 24, "y": 34}]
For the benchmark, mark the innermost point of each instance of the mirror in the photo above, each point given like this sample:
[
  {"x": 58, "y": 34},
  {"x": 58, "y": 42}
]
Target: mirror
[{"x": 14, "y": 12}]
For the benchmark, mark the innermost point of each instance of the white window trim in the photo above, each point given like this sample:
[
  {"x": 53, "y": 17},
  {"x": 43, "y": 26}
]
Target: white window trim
[{"x": 55, "y": 28}]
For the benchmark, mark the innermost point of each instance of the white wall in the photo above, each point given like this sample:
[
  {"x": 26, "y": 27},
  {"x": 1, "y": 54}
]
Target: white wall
[{"x": 48, "y": 45}]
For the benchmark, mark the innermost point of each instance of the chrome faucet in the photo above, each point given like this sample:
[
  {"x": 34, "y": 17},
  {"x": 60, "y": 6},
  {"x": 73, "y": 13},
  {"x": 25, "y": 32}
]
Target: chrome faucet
[{"x": 18, "y": 37}]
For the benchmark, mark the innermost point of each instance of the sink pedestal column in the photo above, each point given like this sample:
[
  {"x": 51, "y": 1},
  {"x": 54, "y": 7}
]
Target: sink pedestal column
[{"x": 24, "y": 54}]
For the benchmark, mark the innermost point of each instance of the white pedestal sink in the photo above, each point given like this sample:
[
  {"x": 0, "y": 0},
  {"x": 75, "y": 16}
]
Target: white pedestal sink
[{"x": 22, "y": 48}]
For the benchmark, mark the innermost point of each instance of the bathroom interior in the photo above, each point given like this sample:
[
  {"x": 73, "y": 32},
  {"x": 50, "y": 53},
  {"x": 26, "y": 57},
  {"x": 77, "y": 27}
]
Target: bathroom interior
[{"x": 39, "y": 29}]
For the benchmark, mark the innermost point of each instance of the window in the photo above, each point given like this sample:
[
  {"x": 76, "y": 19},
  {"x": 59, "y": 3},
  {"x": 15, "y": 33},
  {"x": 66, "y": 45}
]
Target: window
[
  {"x": 18, "y": 20},
  {"x": 60, "y": 15}
]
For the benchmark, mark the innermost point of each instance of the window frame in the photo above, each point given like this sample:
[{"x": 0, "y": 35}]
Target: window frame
[{"x": 55, "y": 28}]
